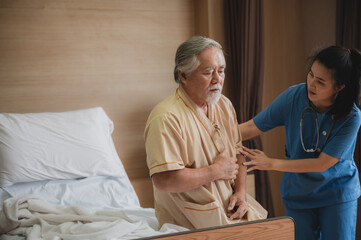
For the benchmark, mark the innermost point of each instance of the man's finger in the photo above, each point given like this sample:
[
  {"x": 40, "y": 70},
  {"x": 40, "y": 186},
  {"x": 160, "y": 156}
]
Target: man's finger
[
  {"x": 232, "y": 203},
  {"x": 238, "y": 214}
]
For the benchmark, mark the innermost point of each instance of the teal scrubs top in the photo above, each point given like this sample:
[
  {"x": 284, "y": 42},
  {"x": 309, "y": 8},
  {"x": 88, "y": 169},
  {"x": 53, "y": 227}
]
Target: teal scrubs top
[{"x": 340, "y": 183}]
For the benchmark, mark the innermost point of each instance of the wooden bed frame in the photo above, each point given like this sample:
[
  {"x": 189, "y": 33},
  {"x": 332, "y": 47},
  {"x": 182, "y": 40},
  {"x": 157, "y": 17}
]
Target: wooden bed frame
[{"x": 280, "y": 228}]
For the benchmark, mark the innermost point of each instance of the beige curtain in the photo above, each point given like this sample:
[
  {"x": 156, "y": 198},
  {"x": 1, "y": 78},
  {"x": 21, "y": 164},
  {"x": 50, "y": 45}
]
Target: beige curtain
[
  {"x": 348, "y": 34},
  {"x": 244, "y": 36}
]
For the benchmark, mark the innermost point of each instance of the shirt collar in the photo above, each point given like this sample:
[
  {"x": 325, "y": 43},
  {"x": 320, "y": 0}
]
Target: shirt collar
[{"x": 194, "y": 107}]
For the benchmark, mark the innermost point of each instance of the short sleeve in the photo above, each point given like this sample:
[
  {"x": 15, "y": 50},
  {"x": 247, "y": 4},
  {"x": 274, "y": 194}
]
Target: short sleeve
[
  {"x": 164, "y": 144},
  {"x": 275, "y": 114},
  {"x": 345, "y": 136}
]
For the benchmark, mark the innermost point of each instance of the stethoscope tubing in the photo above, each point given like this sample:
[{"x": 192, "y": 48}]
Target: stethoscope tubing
[{"x": 318, "y": 129}]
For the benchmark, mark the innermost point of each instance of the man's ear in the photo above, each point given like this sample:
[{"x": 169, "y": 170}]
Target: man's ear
[{"x": 182, "y": 76}]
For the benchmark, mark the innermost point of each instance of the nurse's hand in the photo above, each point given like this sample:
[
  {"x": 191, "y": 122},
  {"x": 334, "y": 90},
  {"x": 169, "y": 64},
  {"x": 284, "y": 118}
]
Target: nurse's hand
[
  {"x": 257, "y": 159},
  {"x": 237, "y": 207},
  {"x": 225, "y": 167}
]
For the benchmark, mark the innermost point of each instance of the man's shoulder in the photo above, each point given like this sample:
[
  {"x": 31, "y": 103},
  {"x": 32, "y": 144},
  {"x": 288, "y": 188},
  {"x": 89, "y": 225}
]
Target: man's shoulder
[
  {"x": 224, "y": 102},
  {"x": 170, "y": 106}
]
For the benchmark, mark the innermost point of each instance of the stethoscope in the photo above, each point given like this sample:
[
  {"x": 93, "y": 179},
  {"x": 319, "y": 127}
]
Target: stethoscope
[{"x": 318, "y": 130}]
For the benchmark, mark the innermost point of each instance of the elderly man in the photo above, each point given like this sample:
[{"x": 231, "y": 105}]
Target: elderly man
[{"x": 193, "y": 145}]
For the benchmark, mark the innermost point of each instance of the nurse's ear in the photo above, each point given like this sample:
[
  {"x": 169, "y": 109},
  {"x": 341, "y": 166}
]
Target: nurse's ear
[{"x": 339, "y": 88}]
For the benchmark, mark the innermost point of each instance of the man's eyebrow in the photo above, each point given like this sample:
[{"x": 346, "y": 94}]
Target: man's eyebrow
[
  {"x": 208, "y": 68},
  {"x": 212, "y": 68}
]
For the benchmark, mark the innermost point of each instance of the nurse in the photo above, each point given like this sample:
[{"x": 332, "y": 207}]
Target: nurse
[{"x": 320, "y": 184}]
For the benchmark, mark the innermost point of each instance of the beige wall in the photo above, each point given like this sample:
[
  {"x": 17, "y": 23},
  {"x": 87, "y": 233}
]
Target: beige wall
[
  {"x": 293, "y": 28},
  {"x": 319, "y": 24},
  {"x": 118, "y": 54}
]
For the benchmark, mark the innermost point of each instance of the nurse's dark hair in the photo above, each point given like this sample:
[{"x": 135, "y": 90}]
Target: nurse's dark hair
[
  {"x": 346, "y": 67},
  {"x": 186, "y": 59}
]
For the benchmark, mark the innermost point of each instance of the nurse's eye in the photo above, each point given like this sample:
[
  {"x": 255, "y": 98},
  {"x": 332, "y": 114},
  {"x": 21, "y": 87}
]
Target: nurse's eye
[{"x": 320, "y": 82}]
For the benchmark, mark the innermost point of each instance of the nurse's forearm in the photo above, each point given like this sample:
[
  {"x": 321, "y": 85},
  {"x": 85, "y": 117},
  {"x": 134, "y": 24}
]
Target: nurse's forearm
[
  {"x": 260, "y": 161},
  {"x": 249, "y": 130},
  {"x": 320, "y": 164}
]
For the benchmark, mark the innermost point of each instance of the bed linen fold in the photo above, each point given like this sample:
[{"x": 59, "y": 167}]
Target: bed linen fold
[{"x": 35, "y": 218}]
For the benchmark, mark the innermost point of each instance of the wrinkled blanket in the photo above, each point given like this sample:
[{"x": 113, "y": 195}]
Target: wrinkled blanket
[{"x": 35, "y": 218}]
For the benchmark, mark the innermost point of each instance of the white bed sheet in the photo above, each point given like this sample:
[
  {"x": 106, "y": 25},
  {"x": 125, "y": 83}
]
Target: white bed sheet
[
  {"x": 108, "y": 193},
  {"x": 95, "y": 193}
]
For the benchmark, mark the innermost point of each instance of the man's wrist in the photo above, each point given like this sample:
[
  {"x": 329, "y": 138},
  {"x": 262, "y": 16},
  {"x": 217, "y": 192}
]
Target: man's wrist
[{"x": 212, "y": 171}]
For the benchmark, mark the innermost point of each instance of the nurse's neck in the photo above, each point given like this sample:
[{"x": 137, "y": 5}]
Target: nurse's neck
[{"x": 321, "y": 108}]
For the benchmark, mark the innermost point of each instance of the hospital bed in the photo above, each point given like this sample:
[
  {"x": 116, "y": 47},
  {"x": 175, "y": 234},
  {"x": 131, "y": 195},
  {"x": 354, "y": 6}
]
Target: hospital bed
[
  {"x": 61, "y": 178},
  {"x": 61, "y": 56}
]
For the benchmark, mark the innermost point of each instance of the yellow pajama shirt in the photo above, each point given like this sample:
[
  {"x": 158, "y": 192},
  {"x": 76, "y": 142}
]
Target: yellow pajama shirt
[{"x": 179, "y": 135}]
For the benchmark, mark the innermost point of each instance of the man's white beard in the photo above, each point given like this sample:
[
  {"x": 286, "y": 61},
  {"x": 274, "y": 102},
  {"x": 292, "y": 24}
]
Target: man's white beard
[{"x": 211, "y": 97}]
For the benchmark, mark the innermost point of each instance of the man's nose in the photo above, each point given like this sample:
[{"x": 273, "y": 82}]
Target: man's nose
[{"x": 216, "y": 78}]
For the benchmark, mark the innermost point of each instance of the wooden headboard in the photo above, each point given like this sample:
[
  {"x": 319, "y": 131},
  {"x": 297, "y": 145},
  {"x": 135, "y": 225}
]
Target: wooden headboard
[{"x": 117, "y": 54}]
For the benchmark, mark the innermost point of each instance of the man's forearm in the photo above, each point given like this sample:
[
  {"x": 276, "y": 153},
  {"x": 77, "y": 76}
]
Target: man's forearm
[
  {"x": 184, "y": 180},
  {"x": 241, "y": 180}
]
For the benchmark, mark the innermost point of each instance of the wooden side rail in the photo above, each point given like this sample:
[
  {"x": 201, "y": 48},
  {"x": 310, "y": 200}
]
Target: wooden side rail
[{"x": 280, "y": 228}]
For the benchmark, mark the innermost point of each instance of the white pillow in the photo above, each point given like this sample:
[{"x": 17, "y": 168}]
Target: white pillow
[{"x": 65, "y": 145}]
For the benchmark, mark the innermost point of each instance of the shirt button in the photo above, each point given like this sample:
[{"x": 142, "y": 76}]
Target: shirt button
[
  {"x": 318, "y": 150},
  {"x": 324, "y": 133}
]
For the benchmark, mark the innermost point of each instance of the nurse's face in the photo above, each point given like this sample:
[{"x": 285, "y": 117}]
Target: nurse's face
[
  {"x": 321, "y": 86},
  {"x": 205, "y": 84}
]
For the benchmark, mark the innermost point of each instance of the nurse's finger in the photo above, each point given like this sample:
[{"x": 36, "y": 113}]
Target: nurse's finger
[
  {"x": 257, "y": 151},
  {"x": 251, "y": 169},
  {"x": 249, "y": 163},
  {"x": 245, "y": 151},
  {"x": 248, "y": 150}
]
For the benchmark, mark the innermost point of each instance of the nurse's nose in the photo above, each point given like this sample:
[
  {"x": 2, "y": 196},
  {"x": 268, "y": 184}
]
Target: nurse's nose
[{"x": 311, "y": 81}]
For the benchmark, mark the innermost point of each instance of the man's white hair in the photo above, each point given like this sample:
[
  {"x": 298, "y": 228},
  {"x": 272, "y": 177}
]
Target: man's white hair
[{"x": 186, "y": 59}]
